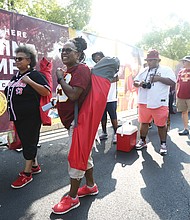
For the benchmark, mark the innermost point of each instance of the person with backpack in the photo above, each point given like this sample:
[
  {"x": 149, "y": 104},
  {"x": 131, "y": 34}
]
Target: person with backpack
[
  {"x": 23, "y": 94},
  {"x": 74, "y": 86}
]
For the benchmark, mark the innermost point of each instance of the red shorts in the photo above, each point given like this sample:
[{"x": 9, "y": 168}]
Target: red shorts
[{"x": 159, "y": 115}]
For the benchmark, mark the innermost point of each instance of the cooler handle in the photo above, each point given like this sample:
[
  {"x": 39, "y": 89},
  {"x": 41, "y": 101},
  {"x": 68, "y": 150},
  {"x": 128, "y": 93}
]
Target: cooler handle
[{"x": 129, "y": 122}]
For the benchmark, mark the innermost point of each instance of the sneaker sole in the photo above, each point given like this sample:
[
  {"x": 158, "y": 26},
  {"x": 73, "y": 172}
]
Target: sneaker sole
[
  {"x": 139, "y": 148},
  {"x": 183, "y": 134},
  {"x": 60, "y": 213},
  {"x": 37, "y": 172},
  {"x": 90, "y": 194},
  {"x": 18, "y": 187},
  {"x": 163, "y": 153}
]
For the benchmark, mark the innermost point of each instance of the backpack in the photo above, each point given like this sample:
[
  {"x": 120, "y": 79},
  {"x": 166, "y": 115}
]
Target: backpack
[
  {"x": 45, "y": 69},
  {"x": 91, "y": 112}
]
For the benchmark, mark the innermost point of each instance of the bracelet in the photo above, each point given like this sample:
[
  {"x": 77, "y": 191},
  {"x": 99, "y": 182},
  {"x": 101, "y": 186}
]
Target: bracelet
[{"x": 59, "y": 79}]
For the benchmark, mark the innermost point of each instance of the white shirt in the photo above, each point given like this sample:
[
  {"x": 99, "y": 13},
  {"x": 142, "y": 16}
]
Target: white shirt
[
  {"x": 112, "y": 95},
  {"x": 158, "y": 94}
]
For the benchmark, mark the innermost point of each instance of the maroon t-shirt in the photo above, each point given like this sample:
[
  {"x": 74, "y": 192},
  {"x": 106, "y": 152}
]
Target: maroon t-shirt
[
  {"x": 80, "y": 77},
  {"x": 183, "y": 81}
]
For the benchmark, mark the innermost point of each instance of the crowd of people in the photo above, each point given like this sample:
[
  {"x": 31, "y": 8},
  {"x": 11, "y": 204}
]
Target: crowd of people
[{"x": 28, "y": 85}]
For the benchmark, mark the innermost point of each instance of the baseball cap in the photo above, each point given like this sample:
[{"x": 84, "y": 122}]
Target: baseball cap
[{"x": 152, "y": 55}]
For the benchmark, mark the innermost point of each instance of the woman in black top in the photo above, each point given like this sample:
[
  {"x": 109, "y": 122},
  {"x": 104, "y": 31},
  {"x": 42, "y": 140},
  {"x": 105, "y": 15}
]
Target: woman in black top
[{"x": 23, "y": 96}]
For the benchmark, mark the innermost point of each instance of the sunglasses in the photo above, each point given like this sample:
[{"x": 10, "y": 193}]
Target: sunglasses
[
  {"x": 67, "y": 50},
  {"x": 18, "y": 59},
  {"x": 151, "y": 60}
]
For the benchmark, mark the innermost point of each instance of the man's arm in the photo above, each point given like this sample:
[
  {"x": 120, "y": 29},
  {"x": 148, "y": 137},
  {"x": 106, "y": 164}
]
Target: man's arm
[{"x": 163, "y": 80}]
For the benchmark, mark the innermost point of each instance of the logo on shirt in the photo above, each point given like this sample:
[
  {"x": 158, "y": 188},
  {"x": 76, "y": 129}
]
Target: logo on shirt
[
  {"x": 19, "y": 91},
  {"x": 185, "y": 77},
  {"x": 62, "y": 97}
]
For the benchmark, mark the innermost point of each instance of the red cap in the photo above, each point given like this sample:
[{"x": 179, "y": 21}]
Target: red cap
[{"x": 152, "y": 55}]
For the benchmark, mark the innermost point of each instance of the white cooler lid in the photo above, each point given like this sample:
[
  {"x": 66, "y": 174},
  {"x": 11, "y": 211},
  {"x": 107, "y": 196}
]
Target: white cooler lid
[{"x": 127, "y": 129}]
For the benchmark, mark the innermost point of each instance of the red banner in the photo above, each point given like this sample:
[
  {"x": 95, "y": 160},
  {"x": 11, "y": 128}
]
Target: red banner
[{"x": 16, "y": 29}]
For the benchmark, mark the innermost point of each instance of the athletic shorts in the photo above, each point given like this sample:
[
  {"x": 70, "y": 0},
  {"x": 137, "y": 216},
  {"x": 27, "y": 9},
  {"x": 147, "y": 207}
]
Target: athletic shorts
[
  {"x": 74, "y": 173},
  {"x": 159, "y": 115},
  {"x": 111, "y": 108},
  {"x": 183, "y": 105}
]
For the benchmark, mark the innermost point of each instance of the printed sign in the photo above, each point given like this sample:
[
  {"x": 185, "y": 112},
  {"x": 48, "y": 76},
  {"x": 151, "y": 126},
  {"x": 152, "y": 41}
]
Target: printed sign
[
  {"x": 3, "y": 103},
  {"x": 16, "y": 29}
]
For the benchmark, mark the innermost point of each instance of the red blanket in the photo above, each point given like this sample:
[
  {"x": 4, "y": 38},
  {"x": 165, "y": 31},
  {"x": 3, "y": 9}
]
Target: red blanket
[
  {"x": 46, "y": 68},
  {"x": 89, "y": 118}
]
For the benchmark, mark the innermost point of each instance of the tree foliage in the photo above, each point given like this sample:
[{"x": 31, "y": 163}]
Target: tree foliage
[
  {"x": 76, "y": 14},
  {"x": 173, "y": 42}
]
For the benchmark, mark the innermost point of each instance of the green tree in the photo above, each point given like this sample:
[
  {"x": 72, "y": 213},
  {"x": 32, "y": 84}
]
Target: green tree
[
  {"x": 76, "y": 14},
  {"x": 172, "y": 42},
  {"x": 13, "y": 4}
]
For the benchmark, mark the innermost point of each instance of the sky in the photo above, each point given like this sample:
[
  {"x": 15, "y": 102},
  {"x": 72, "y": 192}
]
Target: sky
[{"x": 128, "y": 20}]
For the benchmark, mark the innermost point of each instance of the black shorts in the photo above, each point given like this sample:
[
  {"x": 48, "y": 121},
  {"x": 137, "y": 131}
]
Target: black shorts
[{"x": 111, "y": 108}]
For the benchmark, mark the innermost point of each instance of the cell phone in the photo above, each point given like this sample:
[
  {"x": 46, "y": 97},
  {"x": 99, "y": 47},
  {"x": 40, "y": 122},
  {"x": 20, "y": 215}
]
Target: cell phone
[{"x": 49, "y": 105}]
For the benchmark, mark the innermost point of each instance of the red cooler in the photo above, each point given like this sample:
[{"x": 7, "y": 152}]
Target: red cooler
[{"x": 126, "y": 137}]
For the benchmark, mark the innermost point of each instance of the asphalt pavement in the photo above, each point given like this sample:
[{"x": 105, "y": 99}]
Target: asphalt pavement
[{"x": 139, "y": 185}]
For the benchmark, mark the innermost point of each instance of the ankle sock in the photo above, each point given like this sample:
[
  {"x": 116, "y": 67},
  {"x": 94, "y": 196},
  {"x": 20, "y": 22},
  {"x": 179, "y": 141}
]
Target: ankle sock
[
  {"x": 143, "y": 138},
  {"x": 27, "y": 174},
  {"x": 91, "y": 186},
  {"x": 73, "y": 198}
]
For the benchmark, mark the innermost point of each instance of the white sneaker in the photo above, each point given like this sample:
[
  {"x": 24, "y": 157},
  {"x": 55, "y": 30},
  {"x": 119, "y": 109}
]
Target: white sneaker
[
  {"x": 140, "y": 145},
  {"x": 114, "y": 141},
  {"x": 163, "y": 149}
]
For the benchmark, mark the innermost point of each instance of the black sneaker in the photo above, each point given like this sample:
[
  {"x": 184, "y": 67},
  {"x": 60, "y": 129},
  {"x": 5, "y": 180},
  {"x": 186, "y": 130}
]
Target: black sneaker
[{"x": 184, "y": 132}]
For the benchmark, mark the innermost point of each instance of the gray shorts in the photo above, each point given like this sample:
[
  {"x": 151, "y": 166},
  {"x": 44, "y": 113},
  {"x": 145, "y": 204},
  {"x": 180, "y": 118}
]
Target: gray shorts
[
  {"x": 74, "y": 173},
  {"x": 183, "y": 105}
]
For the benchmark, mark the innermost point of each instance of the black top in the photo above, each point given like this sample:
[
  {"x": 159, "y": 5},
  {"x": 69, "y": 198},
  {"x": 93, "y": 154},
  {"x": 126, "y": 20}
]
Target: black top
[{"x": 23, "y": 100}]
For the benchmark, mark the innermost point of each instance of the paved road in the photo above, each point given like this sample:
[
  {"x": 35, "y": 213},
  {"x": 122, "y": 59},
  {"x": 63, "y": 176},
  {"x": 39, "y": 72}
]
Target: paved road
[{"x": 133, "y": 186}]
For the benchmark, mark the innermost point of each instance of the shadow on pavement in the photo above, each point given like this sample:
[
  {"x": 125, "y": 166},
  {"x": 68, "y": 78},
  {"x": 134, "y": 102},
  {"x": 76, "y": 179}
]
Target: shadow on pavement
[
  {"x": 103, "y": 177},
  {"x": 167, "y": 190}
]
